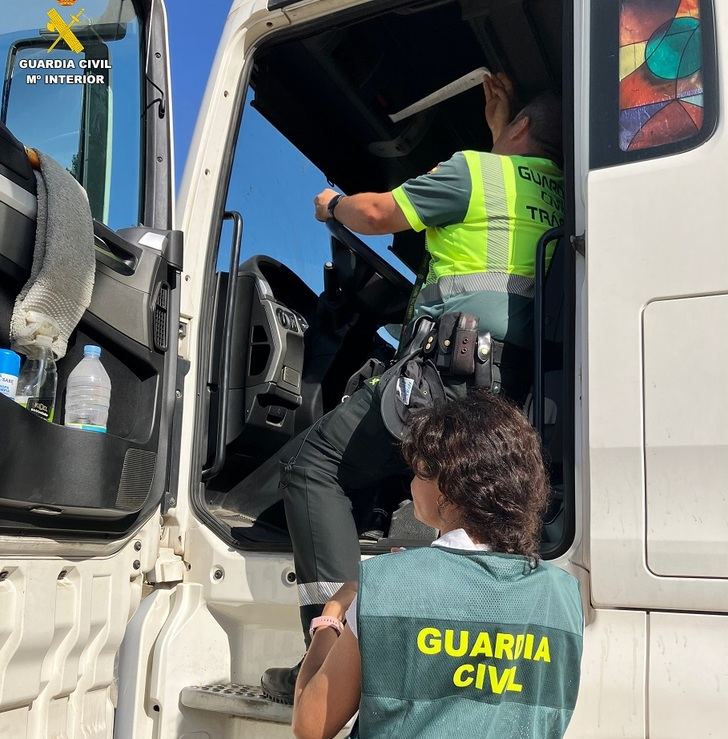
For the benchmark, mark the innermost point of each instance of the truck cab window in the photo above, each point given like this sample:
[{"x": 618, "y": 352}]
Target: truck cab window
[
  {"x": 653, "y": 80},
  {"x": 75, "y": 94},
  {"x": 273, "y": 186},
  {"x": 661, "y": 79}
]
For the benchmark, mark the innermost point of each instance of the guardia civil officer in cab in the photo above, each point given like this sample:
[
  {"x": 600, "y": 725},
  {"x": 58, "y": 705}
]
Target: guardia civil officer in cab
[
  {"x": 472, "y": 637},
  {"x": 483, "y": 213}
]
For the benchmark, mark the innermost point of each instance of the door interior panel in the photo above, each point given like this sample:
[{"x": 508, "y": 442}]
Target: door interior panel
[
  {"x": 60, "y": 478},
  {"x": 291, "y": 357},
  {"x": 266, "y": 380}
]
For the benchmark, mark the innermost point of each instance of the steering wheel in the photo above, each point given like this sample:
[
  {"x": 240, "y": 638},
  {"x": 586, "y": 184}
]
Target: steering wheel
[{"x": 367, "y": 255}]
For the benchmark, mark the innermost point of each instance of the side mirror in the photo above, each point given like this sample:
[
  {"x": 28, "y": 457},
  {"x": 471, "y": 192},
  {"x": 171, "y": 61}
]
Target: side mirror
[{"x": 63, "y": 110}]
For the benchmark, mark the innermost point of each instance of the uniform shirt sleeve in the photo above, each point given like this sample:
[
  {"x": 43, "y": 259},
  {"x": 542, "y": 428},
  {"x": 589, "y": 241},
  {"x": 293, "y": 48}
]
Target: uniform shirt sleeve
[{"x": 439, "y": 198}]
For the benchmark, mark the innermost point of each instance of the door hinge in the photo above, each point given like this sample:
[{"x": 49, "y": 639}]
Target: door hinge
[
  {"x": 168, "y": 568},
  {"x": 578, "y": 244}
]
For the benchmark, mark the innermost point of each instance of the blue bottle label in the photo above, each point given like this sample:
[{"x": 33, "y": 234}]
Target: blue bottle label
[
  {"x": 87, "y": 427},
  {"x": 8, "y": 384}
]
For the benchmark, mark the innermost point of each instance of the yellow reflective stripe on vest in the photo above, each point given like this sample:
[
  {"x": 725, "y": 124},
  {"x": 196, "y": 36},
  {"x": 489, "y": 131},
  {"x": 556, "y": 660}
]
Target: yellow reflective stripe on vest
[
  {"x": 477, "y": 209},
  {"x": 497, "y": 227},
  {"x": 509, "y": 181},
  {"x": 514, "y": 200}
]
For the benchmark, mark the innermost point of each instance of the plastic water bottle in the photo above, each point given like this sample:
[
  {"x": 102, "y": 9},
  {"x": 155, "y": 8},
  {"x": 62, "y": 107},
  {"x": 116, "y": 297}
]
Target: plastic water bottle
[
  {"x": 88, "y": 393},
  {"x": 9, "y": 371},
  {"x": 38, "y": 379}
]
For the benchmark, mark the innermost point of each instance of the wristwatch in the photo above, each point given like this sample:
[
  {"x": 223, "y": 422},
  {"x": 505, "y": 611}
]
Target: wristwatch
[
  {"x": 332, "y": 205},
  {"x": 326, "y": 621}
]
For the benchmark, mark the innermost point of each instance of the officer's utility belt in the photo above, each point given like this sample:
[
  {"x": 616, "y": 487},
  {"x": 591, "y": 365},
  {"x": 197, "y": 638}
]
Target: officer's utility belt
[
  {"x": 457, "y": 348},
  {"x": 430, "y": 354}
]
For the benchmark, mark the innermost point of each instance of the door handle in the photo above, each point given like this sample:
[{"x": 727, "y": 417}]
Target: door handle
[{"x": 113, "y": 251}]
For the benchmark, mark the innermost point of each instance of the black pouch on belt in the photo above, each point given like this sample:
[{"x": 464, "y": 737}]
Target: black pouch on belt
[
  {"x": 445, "y": 338},
  {"x": 464, "y": 346},
  {"x": 415, "y": 335},
  {"x": 484, "y": 361}
]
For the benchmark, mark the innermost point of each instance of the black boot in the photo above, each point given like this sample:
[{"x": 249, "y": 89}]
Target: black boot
[{"x": 279, "y": 683}]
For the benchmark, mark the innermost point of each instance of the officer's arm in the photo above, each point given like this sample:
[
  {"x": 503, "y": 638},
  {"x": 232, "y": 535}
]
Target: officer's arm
[
  {"x": 369, "y": 213},
  {"x": 439, "y": 198},
  {"x": 329, "y": 685}
]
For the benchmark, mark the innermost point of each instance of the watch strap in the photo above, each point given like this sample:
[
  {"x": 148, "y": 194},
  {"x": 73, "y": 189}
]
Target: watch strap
[
  {"x": 326, "y": 622},
  {"x": 332, "y": 205}
]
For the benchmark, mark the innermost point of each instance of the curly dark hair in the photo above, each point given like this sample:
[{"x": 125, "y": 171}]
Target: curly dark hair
[{"x": 486, "y": 459}]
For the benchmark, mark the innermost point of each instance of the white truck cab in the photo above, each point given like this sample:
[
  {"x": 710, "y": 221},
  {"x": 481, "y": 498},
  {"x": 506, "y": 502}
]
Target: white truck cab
[{"x": 146, "y": 576}]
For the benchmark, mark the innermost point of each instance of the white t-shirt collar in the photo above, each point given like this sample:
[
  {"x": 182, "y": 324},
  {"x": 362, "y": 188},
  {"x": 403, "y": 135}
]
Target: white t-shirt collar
[{"x": 459, "y": 539}]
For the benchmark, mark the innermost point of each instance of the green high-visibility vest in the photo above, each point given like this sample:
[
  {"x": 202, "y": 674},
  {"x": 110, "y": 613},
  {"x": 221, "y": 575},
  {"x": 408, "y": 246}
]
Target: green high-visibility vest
[
  {"x": 467, "y": 644},
  {"x": 484, "y": 215}
]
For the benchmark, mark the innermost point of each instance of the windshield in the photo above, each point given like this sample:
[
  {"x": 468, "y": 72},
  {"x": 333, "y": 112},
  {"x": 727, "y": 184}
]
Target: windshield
[{"x": 273, "y": 185}]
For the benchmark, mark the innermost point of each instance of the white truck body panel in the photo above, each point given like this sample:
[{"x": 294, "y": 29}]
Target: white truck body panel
[{"x": 62, "y": 620}]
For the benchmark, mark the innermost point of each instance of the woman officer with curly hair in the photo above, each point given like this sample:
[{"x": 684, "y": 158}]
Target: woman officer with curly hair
[{"x": 472, "y": 637}]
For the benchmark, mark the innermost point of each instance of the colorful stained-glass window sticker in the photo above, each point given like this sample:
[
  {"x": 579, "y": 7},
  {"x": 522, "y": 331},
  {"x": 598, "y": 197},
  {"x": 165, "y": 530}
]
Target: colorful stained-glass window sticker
[{"x": 660, "y": 72}]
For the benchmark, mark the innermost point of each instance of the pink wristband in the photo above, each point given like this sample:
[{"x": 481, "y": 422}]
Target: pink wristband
[{"x": 326, "y": 621}]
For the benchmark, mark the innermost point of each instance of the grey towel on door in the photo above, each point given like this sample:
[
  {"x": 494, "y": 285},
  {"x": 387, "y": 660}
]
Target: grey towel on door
[{"x": 64, "y": 265}]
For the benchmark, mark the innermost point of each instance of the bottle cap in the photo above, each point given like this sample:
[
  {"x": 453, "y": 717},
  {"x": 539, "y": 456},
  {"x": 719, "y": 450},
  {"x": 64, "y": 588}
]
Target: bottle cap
[
  {"x": 9, "y": 363},
  {"x": 91, "y": 350}
]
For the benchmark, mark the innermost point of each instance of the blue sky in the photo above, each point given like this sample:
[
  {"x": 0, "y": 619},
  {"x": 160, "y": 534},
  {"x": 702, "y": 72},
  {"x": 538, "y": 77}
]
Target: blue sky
[{"x": 272, "y": 184}]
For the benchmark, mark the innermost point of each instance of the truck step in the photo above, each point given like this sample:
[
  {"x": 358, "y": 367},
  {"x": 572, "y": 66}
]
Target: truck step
[{"x": 243, "y": 701}]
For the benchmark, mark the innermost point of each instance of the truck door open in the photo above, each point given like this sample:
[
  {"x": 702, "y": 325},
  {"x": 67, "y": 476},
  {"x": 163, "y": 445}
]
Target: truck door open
[
  {"x": 301, "y": 85},
  {"x": 77, "y": 528}
]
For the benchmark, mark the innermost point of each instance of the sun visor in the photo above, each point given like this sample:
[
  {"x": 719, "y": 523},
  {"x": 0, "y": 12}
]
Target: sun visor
[{"x": 461, "y": 84}]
